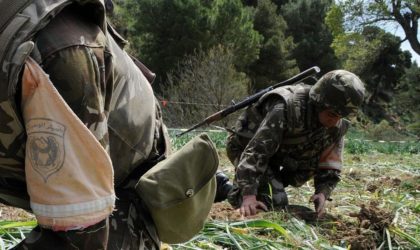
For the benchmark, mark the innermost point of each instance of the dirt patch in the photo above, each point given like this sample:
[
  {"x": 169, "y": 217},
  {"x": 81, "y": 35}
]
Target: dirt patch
[
  {"x": 14, "y": 214},
  {"x": 373, "y": 218},
  {"x": 383, "y": 182},
  {"x": 223, "y": 211},
  {"x": 390, "y": 182},
  {"x": 309, "y": 215},
  {"x": 363, "y": 233}
]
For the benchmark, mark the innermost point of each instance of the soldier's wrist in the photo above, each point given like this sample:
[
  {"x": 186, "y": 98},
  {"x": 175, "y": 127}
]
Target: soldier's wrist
[{"x": 326, "y": 194}]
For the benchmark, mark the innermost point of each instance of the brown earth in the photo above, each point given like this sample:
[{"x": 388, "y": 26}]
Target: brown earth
[
  {"x": 13, "y": 214},
  {"x": 223, "y": 211},
  {"x": 363, "y": 233}
]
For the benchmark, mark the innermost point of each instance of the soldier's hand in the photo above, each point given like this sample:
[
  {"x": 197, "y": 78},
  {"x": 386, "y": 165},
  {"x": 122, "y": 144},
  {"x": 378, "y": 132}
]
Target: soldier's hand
[
  {"x": 250, "y": 205},
  {"x": 319, "y": 202}
]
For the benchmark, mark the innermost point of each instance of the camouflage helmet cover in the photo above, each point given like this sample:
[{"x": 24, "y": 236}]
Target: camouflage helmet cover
[{"x": 340, "y": 90}]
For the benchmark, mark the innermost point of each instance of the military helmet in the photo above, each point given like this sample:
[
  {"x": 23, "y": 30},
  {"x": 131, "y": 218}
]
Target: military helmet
[{"x": 340, "y": 90}]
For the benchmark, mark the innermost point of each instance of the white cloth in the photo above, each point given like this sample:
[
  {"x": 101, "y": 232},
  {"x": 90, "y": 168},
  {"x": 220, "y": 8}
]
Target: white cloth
[{"x": 69, "y": 175}]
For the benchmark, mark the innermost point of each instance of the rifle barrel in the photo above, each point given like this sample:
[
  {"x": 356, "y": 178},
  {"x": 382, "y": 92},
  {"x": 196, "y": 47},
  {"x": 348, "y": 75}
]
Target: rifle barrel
[{"x": 252, "y": 99}]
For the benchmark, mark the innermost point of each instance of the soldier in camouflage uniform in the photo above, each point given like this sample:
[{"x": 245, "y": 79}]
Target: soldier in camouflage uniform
[
  {"x": 292, "y": 134},
  {"x": 109, "y": 93}
]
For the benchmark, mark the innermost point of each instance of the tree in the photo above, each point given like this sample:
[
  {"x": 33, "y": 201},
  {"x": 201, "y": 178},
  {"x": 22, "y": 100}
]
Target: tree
[
  {"x": 202, "y": 84},
  {"x": 376, "y": 57},
  {"x": 165, "y": 32},
  {"x": 231, "y": 25},
  {"x": 406, "y": 104},
  {"x": 305, "y": 19},
  {"x": 405, "y": 13},
  {"x": 274, "y": 62}
]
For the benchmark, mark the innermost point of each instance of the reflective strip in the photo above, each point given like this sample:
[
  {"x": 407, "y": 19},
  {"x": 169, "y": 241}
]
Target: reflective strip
[
  {"x": 10, "y": 9},
  {"x": 73, "y": 209},
  {"x": 330, "y": 165}
]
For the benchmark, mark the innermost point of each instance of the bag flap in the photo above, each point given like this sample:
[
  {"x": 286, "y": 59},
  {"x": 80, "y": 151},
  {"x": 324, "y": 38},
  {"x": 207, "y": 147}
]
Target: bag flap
[{"x": 181, "y": 175}]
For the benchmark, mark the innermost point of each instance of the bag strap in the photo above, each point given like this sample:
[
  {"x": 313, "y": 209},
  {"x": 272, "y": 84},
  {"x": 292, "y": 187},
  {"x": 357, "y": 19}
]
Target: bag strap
[
  {"x": 12, "y": 8},
  {"x": 9, "y": 32}
]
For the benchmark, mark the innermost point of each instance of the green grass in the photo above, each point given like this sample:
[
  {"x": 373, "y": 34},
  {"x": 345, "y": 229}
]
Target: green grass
[
  {"x": 357, "y": 146},
  {"x": 386, "y": 174},
  {"x": 368, "y": 163},
  {"x": 355, "y": 143},
  {"x": 218, "y": 138},
  {"x": 12, "y": 232}
]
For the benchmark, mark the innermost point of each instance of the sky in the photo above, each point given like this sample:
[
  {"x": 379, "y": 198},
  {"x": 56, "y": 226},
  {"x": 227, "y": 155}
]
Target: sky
[{"x": 398, "y": 31}]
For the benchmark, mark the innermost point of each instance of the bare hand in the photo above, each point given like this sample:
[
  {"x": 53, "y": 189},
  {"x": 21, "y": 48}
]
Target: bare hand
[
  {"x": 250, "y": 205},
  {"x": 319, "y": 202}
]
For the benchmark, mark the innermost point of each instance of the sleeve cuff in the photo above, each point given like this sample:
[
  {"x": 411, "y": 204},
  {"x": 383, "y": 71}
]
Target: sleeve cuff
[{"x": 249, "y": 190}]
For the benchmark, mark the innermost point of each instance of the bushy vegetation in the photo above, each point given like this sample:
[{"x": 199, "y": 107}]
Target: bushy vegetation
[
  {"x": 267, "y": 41},
  {"x": 356, "y": 142}
]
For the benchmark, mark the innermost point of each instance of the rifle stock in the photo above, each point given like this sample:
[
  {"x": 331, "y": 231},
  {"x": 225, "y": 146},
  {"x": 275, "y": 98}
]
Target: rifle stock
[{"x": 252, "y": 99}]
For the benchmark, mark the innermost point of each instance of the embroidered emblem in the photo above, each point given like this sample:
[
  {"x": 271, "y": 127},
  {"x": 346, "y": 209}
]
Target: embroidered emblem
[{"x": 45, "y": 146}]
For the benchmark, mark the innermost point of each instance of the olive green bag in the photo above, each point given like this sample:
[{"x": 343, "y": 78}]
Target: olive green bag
[{"x": 179, "y": 191}]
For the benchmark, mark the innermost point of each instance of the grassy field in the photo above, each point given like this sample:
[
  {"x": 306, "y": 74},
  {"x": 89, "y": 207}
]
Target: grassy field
[{"x": 375, "y": 206}]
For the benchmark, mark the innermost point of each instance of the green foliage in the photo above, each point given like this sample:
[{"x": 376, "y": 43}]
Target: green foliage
[
  {"x": 165, "y": 32},
  {"x": 12, "y": 232},
  {"x": 383, "y": 131},
  {"x": 367, "y": 147},
  {"x": 357, "y": 147},
  {"x": 376, "y": 57},
  {"x": 406, "y": 104},
  {"x": 231, "y": 25},
  {"x": 403, "y": 13},
  {"x": 274, "y": 62},
  {"x": 203, "y": 84},
  {"x": 251, "y": 234},
  {"x": 372, "y": 53},
  {"x": 218, "y": 138},
  {"x": 357, "y": 141},
  {"x": 334, "y": 20},
  {"x": 381, "y": 138},
  {"x": 305, "y": 20}
]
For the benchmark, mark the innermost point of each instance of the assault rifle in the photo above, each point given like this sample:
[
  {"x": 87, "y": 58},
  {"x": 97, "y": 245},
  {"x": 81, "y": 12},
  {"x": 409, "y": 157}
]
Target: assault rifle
[{"x": 252, "y": 99}]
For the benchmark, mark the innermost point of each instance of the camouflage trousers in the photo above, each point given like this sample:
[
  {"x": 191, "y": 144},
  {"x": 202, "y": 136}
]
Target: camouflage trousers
[
  {"x": 129, "y": 227},
  {"x": 271, "y": 186},
  {"x": 270, "y": 191}
]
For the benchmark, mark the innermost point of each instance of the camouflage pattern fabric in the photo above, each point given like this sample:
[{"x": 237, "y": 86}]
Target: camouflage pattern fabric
[
  {"x": 339, "y": 90},
  {"x": 19, "y": 21},
  {"x": 111, "y": 96},
  {"x": 40, "y": 238},
  {"x": 109, "y": 93},
  {"x": 266, "y": 150}
]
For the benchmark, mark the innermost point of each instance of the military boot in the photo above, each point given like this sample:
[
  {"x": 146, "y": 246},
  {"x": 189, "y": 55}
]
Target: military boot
[{"x": 223, "y": 187}]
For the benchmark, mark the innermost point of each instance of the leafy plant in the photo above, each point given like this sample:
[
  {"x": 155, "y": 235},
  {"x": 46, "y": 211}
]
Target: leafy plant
[{"x": 12, "y": 232}]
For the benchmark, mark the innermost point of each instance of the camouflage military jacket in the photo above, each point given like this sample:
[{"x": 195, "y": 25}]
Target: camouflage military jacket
[
  {"x": 282, "y": 133},
  {"x": 103, "y": 86}
]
